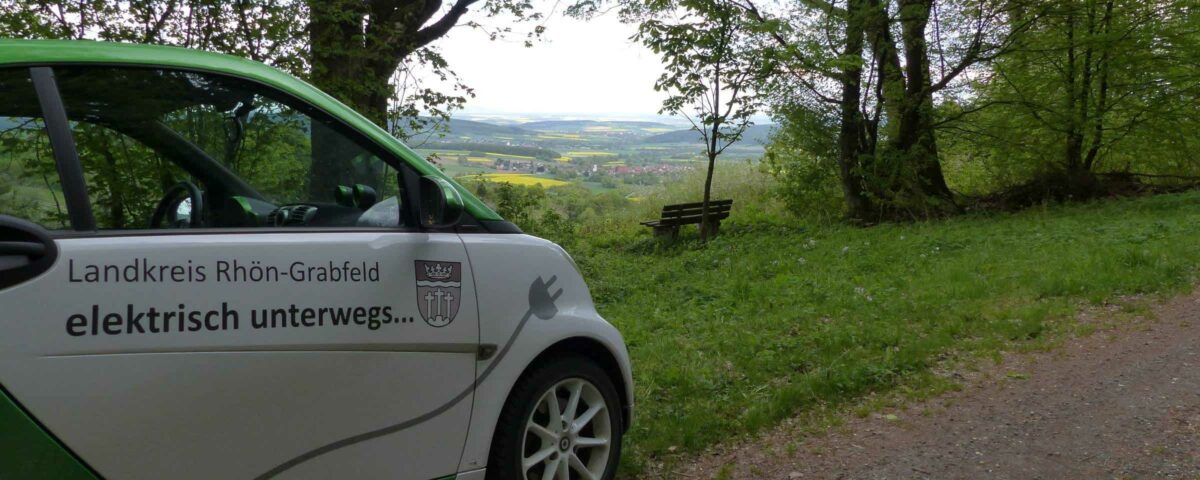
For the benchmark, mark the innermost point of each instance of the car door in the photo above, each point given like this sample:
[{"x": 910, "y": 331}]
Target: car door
[{"x": 284, "y": 317}]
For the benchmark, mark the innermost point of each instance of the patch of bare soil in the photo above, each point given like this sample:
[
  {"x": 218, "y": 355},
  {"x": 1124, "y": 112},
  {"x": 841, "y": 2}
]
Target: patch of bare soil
[{"x": 1117, "y": 404}]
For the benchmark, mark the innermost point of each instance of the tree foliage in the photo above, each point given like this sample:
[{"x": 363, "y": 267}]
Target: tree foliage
[
  {"x": 875, "y": 69},
  {"x": 371, "y": 55},
  {"x": 914, "y": 103},
  {"x": 711, "y": 73},
  {"x": 1097, "y": 87}
]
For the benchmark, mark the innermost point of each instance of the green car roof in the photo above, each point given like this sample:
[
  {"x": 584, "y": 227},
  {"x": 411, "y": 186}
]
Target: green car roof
[{"x": 48, "y": 52}]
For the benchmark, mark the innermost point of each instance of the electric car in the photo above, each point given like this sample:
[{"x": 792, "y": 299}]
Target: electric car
[{"x": 211, "y": 269}]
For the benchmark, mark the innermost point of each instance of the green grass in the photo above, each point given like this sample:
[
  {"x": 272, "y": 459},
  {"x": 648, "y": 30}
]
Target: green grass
[{"x": 772, "y": 319}]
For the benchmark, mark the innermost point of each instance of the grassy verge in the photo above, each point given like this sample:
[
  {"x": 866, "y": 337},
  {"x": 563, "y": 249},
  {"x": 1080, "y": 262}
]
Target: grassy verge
[{"x": 771, "y": 318}]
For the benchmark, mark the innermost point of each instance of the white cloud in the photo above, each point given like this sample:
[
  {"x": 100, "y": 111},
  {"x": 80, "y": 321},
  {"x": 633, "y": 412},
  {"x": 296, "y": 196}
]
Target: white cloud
[{"x": 580, "y": 67}]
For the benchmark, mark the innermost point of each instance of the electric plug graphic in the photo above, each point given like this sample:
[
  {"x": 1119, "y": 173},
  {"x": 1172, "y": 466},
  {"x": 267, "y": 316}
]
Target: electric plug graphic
[
  {"x": 541, "y": 305},
  {"x": 541, "y": 301}
]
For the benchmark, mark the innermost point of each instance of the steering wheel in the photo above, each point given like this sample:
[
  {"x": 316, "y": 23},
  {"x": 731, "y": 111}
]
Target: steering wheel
[{"x": 196, "y": 219}]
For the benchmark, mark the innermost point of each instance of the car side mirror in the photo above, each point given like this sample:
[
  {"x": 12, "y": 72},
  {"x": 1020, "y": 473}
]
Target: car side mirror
[
  {"x": 441, "y": 204},
  {"x": 182, "y": 215}
]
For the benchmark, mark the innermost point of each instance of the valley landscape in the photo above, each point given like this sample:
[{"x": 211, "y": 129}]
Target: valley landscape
[{"x": 630, "y": 157}]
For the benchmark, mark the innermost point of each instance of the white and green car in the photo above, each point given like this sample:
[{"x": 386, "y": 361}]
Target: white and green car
[{"x": 210, "y": 269}]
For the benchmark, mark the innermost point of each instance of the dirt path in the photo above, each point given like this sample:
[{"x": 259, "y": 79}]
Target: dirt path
[{"x": 1113, "y": 405}]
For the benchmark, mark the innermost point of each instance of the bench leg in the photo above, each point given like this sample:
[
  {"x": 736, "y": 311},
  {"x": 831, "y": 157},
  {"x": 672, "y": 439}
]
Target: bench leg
[
  {"x": 670, "y": 232},
  {"x": 711, "y": 228}
]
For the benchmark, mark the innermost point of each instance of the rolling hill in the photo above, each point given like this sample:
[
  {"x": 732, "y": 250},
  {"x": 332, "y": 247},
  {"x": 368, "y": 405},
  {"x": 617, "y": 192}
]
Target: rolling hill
[
  {"x": 471, "y": 128},
  {"x": 583, "y": 125},
  {"x": 756, "y": 134}
]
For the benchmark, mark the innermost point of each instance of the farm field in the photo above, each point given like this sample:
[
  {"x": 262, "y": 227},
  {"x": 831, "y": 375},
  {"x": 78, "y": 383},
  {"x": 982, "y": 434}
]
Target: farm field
[
  {"x": 630, "y": 158},
  {"x": 591, "y": 154},
  {"x": 515, "y": 179}
]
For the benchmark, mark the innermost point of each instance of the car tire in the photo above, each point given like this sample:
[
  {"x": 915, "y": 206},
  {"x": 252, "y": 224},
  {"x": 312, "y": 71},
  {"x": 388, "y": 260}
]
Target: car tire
[{"x": 526, "y": 432}]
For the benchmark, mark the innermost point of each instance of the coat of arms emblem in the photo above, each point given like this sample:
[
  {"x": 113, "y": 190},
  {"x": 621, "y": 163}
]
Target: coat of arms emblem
[{"x": 438, "y": 287}]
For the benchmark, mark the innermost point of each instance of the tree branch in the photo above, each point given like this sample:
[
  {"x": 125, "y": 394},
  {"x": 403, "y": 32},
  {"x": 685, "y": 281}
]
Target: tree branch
[{"x": 439, "y": 28}]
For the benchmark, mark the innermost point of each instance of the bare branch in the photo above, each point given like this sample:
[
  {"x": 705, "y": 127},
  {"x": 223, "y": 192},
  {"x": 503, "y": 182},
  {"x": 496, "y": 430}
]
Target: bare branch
[{"x": 443, "y": 25}]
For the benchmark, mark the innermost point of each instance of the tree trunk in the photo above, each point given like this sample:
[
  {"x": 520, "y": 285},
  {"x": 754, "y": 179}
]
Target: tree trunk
[
  {"x": 916, "y": 124},
  {"x": 334, "y": 30},
  {"x": 1073, "y": 135},
  {"x": 850, "y": 133},
  {"x": 356, "y": 46},
  {"x": 711, "y": 148},
  {"x": 705, "y": 224},
  {"x": 1102, "y": 95},
  {"x": 353, "y": 64},
  {"x": 116, "y": 190},
  {"x": 1081, "y": 72},
  {"x": 908, "y": 174},
  {"x": 892, "y": 89}
]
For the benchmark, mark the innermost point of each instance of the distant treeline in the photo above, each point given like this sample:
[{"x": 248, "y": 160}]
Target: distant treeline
[
  {"x": 536, "y": 152},
  {"x": 754, "y": 134}
]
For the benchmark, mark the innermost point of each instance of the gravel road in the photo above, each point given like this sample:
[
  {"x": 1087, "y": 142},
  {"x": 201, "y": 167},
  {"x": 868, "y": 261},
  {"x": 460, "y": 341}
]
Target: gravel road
[{"x": 1122, "y": 403}]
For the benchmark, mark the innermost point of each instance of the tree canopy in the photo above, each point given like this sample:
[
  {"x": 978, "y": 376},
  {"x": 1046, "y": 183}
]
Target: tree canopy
[
  {"x": 1021, "y": 99},
  {"x": 371, "y": 55}
]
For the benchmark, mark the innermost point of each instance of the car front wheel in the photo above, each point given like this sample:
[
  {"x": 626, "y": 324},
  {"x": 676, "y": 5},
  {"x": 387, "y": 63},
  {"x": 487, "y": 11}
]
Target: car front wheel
[{"x": 561, "y": 422}]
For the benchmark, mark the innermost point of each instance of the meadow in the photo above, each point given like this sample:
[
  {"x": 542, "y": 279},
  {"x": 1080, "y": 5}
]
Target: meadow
[{"x": 781, "y": 315}]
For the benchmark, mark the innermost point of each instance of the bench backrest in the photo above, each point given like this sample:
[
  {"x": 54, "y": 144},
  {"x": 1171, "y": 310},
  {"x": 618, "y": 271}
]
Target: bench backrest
[{"x": 691, "y": 212}]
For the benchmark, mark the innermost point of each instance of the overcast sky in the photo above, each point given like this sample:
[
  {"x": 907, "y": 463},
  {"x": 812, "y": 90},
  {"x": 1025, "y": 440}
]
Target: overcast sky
[{"x": 580, "y": 67}]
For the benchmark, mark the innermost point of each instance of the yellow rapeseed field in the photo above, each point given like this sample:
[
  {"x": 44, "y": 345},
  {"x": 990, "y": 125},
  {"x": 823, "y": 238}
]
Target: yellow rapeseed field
[
  {"x": 505, "y": 155},
  {"x": 518, "y": 179}
]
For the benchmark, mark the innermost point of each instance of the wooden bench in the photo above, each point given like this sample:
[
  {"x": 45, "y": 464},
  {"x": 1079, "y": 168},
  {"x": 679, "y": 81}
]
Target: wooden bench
[{"x": 673, "y": 216}]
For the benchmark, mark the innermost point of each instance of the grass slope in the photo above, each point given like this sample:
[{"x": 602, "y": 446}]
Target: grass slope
[{"x": 771, "y": 319}]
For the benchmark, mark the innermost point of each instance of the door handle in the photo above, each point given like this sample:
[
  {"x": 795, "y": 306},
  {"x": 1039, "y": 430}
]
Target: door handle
[{"x": 28, "y": 249}]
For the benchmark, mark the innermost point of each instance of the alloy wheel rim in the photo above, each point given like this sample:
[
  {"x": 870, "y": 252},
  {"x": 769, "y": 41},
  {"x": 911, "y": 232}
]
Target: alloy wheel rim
[{"x": 568, "y": 434}]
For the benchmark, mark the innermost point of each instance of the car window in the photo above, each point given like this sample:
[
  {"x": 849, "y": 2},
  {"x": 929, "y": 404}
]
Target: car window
[
  {"x": 150, "y": 140},
  {"x": 29, "y": 186}
]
